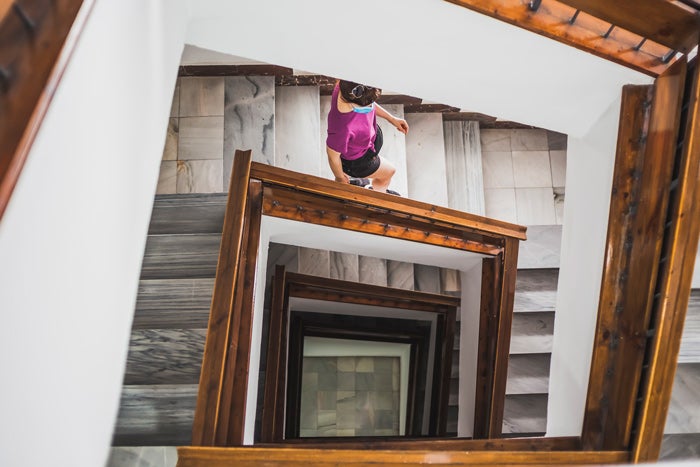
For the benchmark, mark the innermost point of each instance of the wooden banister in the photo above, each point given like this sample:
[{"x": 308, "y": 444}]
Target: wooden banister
[{"x": 37, "y": 39}]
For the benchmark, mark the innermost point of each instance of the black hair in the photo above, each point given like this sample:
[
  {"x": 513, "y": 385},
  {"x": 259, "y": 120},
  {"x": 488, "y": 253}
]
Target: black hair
[{"x": 359, "y": 93}]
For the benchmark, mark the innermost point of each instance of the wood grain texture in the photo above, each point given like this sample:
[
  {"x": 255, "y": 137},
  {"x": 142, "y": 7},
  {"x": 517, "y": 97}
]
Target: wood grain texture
[
  {"x": 173, "y": 304},
  {"x": 188, "y": 213},
  {"x": 38, "y": 60},
  {"x": 552, "y": 20},
  {"x": 646, "y": 140},
  {"x": 180, "y": 256},
  {"x": 216, "y": 346},
  {"x": 247, "y": 456},
  {"x": 663, "y": 22},
  {"x": 674, "y": 285},
  {"x": 164, "y": 356}
]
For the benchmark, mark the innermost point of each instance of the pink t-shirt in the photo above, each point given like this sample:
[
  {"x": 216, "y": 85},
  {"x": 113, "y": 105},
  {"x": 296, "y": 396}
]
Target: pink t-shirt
[{"x": 351, "y": 134}]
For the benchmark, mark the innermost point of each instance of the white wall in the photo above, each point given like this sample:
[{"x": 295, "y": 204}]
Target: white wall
[
  {"x": 432, "y": 49},
  {"x": 72, "y": 238},
  {"x": 590, "y": 164}
]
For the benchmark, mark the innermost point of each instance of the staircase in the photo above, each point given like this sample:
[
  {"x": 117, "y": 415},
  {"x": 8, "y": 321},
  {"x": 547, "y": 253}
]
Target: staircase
[{"x": 512, "y": 174}]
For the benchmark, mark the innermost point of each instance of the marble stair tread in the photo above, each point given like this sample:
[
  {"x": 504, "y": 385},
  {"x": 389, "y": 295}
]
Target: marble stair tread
[
  {"x": 188, "y": 213},
  {"x": 684, "y": 410},
  {"x": 535, "y": 290},
  {"x": 528, "y": 374},
  {"x": 142, "y": 456},
  {"x": 690, "y": 342},
  {"x": 532, "y": 333},
  {"x": 180, "y": 256},
  {"x": 173, "y": 303},
  {"x": 680, "y": 446},
  {"x": 542, "y": 249},
  {"x": 525, "y": 413},
  {"x": 155, "y": 415},
  {"x": 164, "y": 356}
]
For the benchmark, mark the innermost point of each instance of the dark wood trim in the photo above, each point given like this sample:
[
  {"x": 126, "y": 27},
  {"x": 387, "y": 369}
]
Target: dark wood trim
[
  {"x": 234, "y": 392},
  {"x": 587, "y": 33},
  {"x": 233, "y": 70},
  {"x": 490, "y": 273},
  {"x": 206, "y": 416},
  {"x": 36, "y": 65},
  {"x": 429, "y": 108},
  {"x": 275, "y": 369},
  {"x": 384, "y": 203},
  {"x": 646, "y": 144},
  {"x": 662, "y": 22},
  {"x": 254, "y": 456},
  {"x": 674, "y": 287}
]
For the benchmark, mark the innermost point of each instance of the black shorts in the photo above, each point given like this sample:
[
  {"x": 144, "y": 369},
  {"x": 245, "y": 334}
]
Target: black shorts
[{"x": 369, "y": 162}]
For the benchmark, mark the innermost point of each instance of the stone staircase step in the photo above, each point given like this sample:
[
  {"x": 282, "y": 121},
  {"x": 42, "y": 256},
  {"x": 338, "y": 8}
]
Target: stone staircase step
[
  {"x": 165, "y": 356},
  {"x": 173, "y": 303},
  {"x": 535, "y": 290},
  {"x": 528, "y": 374},
  {"x": 193, "y": 213},
  {"x": 677, "y": 447},
  {"x": 156, "y": 415},
  {"x": 180, "y": 256},
  {"x": 684, "y": 411},
  {"x": 690, "y": 342},
  {"x": 542, "y": 249},
  {"x": 146, "y": 456},
  {"x": 532, "y": 333},
  {"x": 525, "y": 413}
]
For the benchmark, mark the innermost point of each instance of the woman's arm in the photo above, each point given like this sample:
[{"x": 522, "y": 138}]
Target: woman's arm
[
  {"x": 399, "y": 123},
  {"x": 336, "y": 166}
]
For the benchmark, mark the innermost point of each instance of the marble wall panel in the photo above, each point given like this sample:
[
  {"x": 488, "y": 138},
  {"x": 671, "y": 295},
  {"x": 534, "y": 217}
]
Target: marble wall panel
[
  {"x": 495, "y": 141},
  {"x": 450, "y": 280},
  {"x": 200, "y": 176},
  {"x": 690, "y": 342},
  {"x": 500, "y": 204},
  {"x": 297, "y": 126},
  {"x": 175, "y": 106},
  {"x": 394, "y": 149},
  {"x": 558, "y": 163},
  {"x": 532, "y": 333},
  {"x": 427, "y": 278},
  {"x": 559, "y": 197},
  {"x": 542, "y": 248},
  {"x": 373, "y": 270},
  {"x": 425, "y": 160},
  {"x": 463, "y": 160},
  {"x": 188, "y": 213},
  {"x": 677, "y": 447},
  {"x": 165, "y": 356},
  {"x": 173, "y": 304},
  {"x": 528, "y": 140},
  {"x": 171, "y": 140},
  {"x": 556, "y": 141},
  {"x": 528, "y": 374},
  {"x": 143, "y": 456},
  {"x": 201, "y": 96},
  {"x": 525, "y": 413},
  {"x": 324, "y": 169},
  {"x": 400, "y": 275},
  {"x": 314, "y": 262},
  {"x": 155, "y": 415},
  {"x": 285, "y": 255},
  {"x": 201, "y": 138},
  {"x": 531, "y": 169},
  {"x": 180, "y": 256},
  {"x": 344, "y": 266},
  {"x": 498, "y": 170},
  {"x": 249, "y": 119},
  {"x": 167, "y": 178},
  {"x": 684, "y": 411},
  {"x": 535, "y": 206}
]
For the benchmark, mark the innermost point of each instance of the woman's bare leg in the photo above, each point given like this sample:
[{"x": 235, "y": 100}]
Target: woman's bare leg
[{"x": 382, "y": 177}]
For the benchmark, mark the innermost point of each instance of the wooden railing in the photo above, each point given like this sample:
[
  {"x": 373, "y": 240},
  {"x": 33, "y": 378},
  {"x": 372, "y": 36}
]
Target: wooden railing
[{"x": 37, "y": 38}]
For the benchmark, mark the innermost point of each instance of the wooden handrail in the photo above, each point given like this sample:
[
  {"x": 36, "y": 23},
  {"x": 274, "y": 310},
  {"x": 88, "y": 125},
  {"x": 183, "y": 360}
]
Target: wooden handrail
[{"x": 36, "y": 43}]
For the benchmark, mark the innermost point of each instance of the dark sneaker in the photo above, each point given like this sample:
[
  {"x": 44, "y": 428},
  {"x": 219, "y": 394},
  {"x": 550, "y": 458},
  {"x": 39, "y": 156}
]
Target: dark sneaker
[
  {"x": 359, "y": 181},
  {"x": 392, "y": 192}
]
